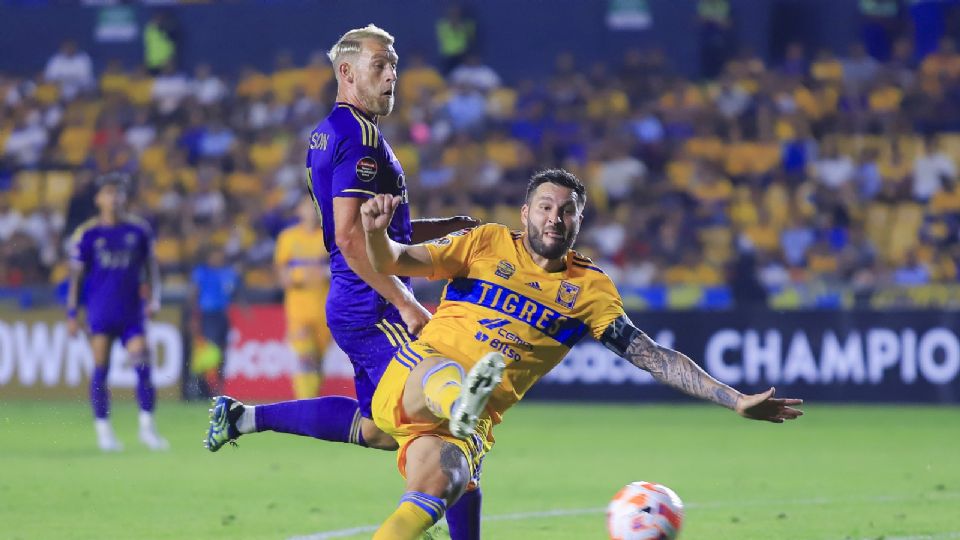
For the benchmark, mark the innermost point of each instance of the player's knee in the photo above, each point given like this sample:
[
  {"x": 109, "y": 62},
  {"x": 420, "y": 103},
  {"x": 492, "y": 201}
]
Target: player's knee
[{"x": 374, "y": 437}]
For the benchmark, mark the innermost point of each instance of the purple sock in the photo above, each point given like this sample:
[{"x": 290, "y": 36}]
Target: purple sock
[
  {"x": 99, "y": 395},
  {"x": 333, "y": 418},
  {"x": 146, "y": 394},
  {"x": 463, "y": 518}
]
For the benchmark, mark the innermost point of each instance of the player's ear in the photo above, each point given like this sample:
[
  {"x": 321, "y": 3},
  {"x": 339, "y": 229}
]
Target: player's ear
[
  {"x": 346, "y": 73},
  {"x": 524, "y": 215}
]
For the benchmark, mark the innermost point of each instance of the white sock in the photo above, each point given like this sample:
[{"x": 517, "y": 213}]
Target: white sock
[
  {"x": 248, "y": 420},
  {"x": 146, "y": 420},
  {"x": 103, "y": 427}
]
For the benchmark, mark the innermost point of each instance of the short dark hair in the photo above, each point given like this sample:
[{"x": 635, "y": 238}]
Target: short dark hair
[
  {"x": 119, "y": 180},
  {"x": 560, "y": 177}
]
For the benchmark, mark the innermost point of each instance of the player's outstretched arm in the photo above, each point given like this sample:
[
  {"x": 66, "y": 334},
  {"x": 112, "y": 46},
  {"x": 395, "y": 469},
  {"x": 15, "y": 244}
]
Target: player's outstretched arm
[
  {"x": 428, "y": 229},
  {"x": 387, "y": 256},
  {"x": 679, "y": 371}
]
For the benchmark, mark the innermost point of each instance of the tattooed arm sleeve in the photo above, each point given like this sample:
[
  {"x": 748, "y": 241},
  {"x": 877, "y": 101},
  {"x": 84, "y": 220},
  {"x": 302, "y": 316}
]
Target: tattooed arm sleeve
[{"x": 666, "y": 365}]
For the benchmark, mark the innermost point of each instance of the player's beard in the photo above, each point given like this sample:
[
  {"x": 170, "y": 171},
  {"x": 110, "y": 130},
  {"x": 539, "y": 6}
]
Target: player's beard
[
  {"x": 379, "y": 104},
  {"x": 556, "y": 249}
]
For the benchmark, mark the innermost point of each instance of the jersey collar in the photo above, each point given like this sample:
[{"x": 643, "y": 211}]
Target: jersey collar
[{"x": 354, "y": 108}]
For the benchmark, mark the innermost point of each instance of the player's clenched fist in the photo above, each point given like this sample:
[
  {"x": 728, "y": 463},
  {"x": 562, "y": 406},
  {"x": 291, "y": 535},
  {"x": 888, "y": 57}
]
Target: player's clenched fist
[{"x": 377, "y": 212}]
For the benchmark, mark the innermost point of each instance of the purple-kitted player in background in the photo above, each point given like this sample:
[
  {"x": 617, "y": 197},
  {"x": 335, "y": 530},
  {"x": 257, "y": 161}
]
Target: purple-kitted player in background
[
  {"x": 112, "y": 255},
  {"x": 370, "y": 314}
]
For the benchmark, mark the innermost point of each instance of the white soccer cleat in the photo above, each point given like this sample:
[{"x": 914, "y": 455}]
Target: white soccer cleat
[
  {"x": 475, "y": 392},
  {"x": 106, "y": 439},
  {"x": 149, "y": 435},
  {"x": 152, "y": 440}
]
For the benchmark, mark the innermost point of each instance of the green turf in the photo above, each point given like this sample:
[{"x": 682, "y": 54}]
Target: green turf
[{"x": 837, "y": 473}]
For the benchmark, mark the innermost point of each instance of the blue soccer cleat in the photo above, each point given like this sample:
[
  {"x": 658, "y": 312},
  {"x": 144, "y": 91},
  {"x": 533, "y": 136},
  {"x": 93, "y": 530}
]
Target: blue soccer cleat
[{"x": 224, "y": 416}]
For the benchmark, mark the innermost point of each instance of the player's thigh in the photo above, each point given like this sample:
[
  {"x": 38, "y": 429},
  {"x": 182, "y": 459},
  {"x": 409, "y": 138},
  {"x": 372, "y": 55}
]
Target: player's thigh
[{"x": 436, "y": 467}]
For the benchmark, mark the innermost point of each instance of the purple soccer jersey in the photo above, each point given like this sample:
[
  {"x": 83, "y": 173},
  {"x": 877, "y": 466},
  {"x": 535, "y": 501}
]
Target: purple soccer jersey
[
  {"x": 114, "y": 258},
  {"x": 348, "y": 157}
]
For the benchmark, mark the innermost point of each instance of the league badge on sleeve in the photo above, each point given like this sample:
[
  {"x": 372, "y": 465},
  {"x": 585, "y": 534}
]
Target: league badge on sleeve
[
  {"x": 366, "y": 169},
  {"x": 567, "y": 295}
]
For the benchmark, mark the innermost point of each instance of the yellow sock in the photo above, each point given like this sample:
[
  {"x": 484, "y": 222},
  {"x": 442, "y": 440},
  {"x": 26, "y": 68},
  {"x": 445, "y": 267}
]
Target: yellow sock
[
  {"x": 441, "y": 388},
  {"x": 416, "y": 513},
  {"x": 306, "y": 385}
]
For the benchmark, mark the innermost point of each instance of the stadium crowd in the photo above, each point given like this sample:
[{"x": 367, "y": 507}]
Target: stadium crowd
[{"x": 821, "y": 168}]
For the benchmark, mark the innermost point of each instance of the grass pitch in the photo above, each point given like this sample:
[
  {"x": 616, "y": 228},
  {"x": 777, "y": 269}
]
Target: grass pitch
[{"x": 838, "y": 473}]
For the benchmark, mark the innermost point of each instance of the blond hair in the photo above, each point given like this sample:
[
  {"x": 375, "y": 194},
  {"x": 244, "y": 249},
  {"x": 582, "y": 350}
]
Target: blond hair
[{"x": 350, "y": 44}]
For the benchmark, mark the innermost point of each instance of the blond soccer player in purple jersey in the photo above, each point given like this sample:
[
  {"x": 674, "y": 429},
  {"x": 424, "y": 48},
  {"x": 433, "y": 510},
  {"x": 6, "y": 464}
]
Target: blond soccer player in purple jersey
[
  {"x": 111, "y": 256},
  {"x": 370, "y": 315},
  {"x": 515, "y": 304}
]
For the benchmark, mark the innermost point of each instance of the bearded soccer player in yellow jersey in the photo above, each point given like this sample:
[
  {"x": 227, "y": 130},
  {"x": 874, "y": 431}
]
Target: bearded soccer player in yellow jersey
[
  {"x": 515, "y": 305},
  {"x": 301, "y": 262}
]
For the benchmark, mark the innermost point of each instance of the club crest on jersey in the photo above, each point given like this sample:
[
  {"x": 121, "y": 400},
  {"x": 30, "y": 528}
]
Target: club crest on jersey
[
  {"x": 505, "y": 269},
  {"x": 567, "y": 295},
  {"x": 366, "y": 169}
]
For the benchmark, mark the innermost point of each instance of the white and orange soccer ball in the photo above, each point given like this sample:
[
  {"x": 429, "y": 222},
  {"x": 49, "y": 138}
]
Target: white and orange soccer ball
[{"x": 644, "y": 511}]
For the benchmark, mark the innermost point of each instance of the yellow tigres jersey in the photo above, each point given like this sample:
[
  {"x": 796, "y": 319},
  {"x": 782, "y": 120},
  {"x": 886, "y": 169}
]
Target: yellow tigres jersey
[
  {"x": 297, "y": 249},
  {"x": 498, "y": 299}
]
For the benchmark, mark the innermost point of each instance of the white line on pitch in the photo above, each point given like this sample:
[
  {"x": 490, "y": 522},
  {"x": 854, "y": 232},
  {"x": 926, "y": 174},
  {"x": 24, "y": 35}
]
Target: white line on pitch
[{"x": 520, "y": 516}]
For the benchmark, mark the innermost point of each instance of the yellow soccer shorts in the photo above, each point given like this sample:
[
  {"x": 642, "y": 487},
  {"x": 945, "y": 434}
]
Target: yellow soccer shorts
[
  {"x": 388, "y": 413},
  {"x": 307, "y": 332}
]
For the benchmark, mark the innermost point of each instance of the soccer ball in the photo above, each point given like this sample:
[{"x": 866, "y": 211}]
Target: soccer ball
[{"x": 644, "y": 511}]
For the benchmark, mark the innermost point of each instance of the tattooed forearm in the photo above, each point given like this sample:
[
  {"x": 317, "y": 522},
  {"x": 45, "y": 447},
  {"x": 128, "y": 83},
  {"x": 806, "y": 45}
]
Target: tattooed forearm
[{"x": 677, "y": 370}]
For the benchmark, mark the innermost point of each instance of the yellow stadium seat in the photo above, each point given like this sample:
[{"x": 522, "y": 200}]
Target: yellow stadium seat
[
  {"x": 169, "y": 250},
  {"x": 259, "y": 278},
  {"x": 507, "y": 215},
  {"x": 243, "y": 183},
  {"x": 27, "y": 191},
  {"x": 717, "y": 244},
  {"x": 47, "y": 93},
  {"x": 57, "y": 189},
  {"x": 75, "y": 144},
  {"x": 502, "y": 102},
  {"x": 154, "y": 158}
]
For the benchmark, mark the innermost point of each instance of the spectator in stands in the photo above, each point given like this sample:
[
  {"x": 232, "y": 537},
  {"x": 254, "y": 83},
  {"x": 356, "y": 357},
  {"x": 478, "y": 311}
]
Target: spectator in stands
[
  {"x": 879, "y": 23},
  {"x": 912, "y": 272},
  {"x": 833, "y": 170},
  {"x": 716, "y": 35},
  {"x": 160, "y": 37},
  {"x": 10, "y": 219},
  {"x": 859, "y": 68},
  {"x": 207, "y": 88},
  {"x": 930, "y": 165},
  {"x": 27, "y": 140},
  {"x": 473, "y": 73},
  {"x": 70, "y": 69},
  {"x": 794, "y": 61},
  {"x": 456, "y": 37},
  {"x": 170, "y": 88}
]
